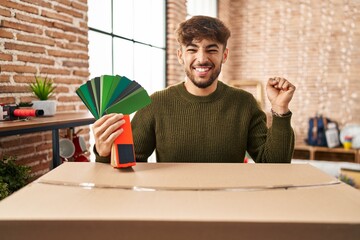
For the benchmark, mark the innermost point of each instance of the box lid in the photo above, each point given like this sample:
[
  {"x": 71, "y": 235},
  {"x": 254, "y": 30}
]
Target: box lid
[{"x": 189, "y": 176}]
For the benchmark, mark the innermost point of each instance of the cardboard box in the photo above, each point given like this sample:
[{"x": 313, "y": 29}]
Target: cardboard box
[
  {"x": 350, "y": 176},
  {"x": 183, "y": 201}
]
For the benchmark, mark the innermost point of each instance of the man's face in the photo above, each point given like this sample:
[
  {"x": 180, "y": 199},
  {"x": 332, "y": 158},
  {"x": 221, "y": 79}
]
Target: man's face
[{"x": 202, "y": 61}]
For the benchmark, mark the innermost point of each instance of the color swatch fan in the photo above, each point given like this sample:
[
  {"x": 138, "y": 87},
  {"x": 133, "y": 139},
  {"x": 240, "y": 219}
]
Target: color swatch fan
[{"x": 115, "y": 94}]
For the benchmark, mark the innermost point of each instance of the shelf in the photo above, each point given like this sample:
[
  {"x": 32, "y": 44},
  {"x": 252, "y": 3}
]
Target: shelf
[{"x": 328, "y": 154}]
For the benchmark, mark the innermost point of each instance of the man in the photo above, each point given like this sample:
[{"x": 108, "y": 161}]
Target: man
[{"x": 203, "y": 119}]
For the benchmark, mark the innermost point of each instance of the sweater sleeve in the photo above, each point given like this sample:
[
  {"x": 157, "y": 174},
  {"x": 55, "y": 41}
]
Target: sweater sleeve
[
  {"x": 144, "y": 134},
  {"x": 273, "y": 145},
  {"x": 281, "y": 140},
  {"x": 100, "y": 159}
]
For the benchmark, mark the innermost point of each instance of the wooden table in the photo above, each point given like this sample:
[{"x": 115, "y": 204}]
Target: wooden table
[{"x": 40, "y": 124}]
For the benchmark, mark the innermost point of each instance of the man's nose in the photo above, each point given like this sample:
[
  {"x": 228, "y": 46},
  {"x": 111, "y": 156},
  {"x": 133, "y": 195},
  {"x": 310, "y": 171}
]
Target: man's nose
[{"x": 202, "y": 57}]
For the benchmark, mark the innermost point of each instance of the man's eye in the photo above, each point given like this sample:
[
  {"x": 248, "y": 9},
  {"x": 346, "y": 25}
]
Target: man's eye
[
  {"x": 213, "y": 51},
  {"x": 191, "y": 50}
]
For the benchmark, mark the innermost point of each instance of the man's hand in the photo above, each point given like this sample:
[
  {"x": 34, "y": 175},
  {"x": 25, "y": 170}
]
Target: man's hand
[
  {"x": 106, "y": 130},
  {"x": 280, "y": 92}
]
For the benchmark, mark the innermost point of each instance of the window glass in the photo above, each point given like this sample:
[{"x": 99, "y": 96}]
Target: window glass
[
  {"x": 149, "y": 22},
  {"x": 123, "y": 18},
  {"x": 142, "y": 65},
  {"x": 137, "y": 31},
  {"x": 100, "y": 54},
  {"x": 157, "y": 23},
  {"x": 157, "y": 68},
  {"x": 124, "y": 58},
  {"x": 149, "y": 67},
  {"x": 142, "y": 21},
  {"x": 202, "y": 7},
  {"x": 100, "y": 14}
]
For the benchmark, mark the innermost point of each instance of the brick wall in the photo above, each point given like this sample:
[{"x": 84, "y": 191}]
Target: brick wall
[
  {"x": 176, "y": 13},
  {"x": 315, "y": 44},
  {"x": 47, "y": 38}
]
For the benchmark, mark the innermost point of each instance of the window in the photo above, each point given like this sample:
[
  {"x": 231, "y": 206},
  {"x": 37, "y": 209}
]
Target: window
[
  {"x": 127, "y": 38},
  {"x": 201, "y": 7}
]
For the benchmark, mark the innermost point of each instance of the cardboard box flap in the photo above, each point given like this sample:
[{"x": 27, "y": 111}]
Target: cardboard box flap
[
  {"x": 170, "y": 176},
  {"x": 64, "y": 210},
  {"x": 327, "y": 204}
]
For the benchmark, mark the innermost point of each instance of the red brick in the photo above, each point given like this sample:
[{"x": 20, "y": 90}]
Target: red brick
[
  {"x": 66, "y": 108},
  {"x": 72, "y": 46},
  {"x": 43, "y": 146},
  {"x": 29, "y": 19},
  {"x": 61, "y": 89},
  {"x": 27, "y": 161},
  {"x": 4, "y": 78},
  {"x": 69, "y": 28},
  {"x": 5, "y": 12},
  {"x": 46, "y": 70},
  {"x": 56, "y": 16},
  {"x": 7, "y": 100},
  {"x": 84, "y": 25},
  {"x": 83, "y": 107},
  {"x": 47, "y": 136},
  {"x": 83, "y": 40},
  {"x": 57, "y": 53},
  {"x": 79, "y": 6},
  {"x": 39, "y": 3},
  {"x": 82, "y": 56},
  {"x": 69, "y": 99},
  {"x": 19, "y": 6},
  {"x": 5, "y": 57},
  {"x": 23, "y": 79},
  {"x": 76, "y": 64},
  {"x": 41, "y": 60},
  {"x": 65, "y": 2},
  {"x": 15, "y": 89},
  {"x": 6, "y": 34},
  {"x": 39, "y": 169},
  {"x": 24, "y": 48},
  {"x": 26, "y": 99},
  {"x": 21, "y": 27},
  {"x": 60, "y": 35},
  {"x": 35, "y": 39},
  {"x": 69, "y": 11},
  {"x": 25, "y": 139},
  {"x": 20, "y": 151},
  {"x": 82, "y": 73},
  {"x": 17, "y": 68},
  {"x": 68, "y": 81}
]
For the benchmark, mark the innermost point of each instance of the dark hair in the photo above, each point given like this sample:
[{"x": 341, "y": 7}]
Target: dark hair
[{"x": 202, "y": 27}]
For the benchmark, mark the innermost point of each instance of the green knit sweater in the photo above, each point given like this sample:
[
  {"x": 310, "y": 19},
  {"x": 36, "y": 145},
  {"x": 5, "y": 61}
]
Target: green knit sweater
[{"x": 219, "y": 127}]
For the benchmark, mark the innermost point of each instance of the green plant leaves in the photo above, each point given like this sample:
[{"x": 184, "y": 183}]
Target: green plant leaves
[
  {"x": 43, "y": 88},
  {"x": 12, "y": 176}
]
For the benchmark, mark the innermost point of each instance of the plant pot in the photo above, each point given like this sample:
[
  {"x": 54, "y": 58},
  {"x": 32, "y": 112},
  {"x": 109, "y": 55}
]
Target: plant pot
[{"x": 49, "y": 106}]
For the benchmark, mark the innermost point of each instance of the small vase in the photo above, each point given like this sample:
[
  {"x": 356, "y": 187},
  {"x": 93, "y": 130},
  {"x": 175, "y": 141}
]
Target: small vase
[{"x": 49, "y": 106}]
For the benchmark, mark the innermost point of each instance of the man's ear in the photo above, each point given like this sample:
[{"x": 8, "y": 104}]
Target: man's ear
[
  {"x": 225, "y": 55},
  {"x": 179, "y": 56}
]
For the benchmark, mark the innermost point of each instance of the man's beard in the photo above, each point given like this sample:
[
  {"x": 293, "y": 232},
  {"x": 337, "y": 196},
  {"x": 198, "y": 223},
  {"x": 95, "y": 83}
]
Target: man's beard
[{"x": 203, "y": 84}]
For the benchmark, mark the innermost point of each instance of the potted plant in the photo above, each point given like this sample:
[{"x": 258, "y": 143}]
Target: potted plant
[
  {"x": 43, "y": 89},
  {"x": 12, "y": 176}
]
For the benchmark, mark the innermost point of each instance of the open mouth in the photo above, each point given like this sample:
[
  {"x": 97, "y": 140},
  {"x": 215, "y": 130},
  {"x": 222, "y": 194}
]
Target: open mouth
[{"x": 202, "y": 70}]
